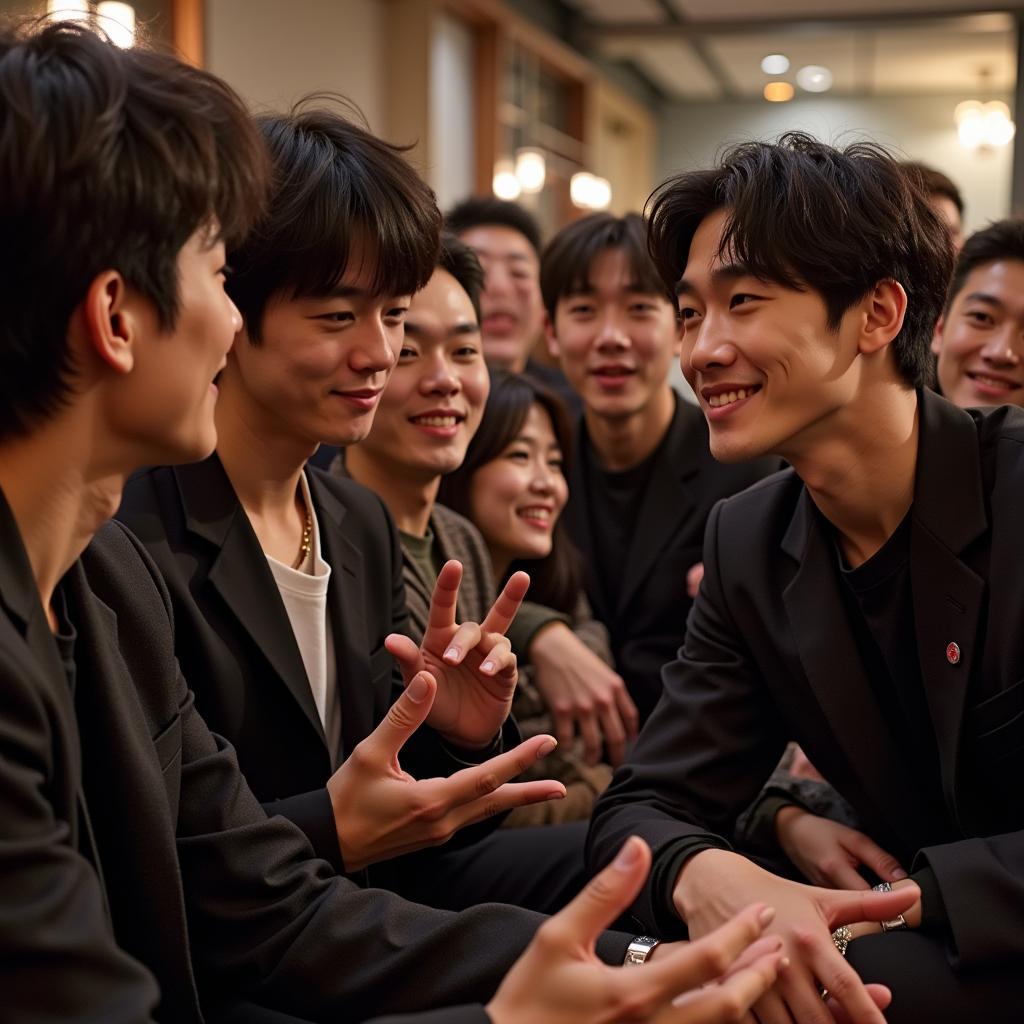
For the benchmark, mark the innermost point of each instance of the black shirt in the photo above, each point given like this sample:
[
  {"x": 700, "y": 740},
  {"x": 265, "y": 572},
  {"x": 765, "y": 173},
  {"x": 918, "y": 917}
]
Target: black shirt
[
  {"x": 614, "y": 499},
  {"x": 881, "y": 607}
]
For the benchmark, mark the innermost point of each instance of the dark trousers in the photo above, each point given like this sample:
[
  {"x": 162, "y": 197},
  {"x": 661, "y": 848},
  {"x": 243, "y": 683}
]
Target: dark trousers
[
  {"x": 539, "y": 868},
  {"x": 925, "y": 988}
]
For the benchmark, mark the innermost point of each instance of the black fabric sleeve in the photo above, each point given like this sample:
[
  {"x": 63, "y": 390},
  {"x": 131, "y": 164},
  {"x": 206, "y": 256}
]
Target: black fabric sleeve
[
  {"x": 933, "y": 910},
  {"x": 313, "y": 813}
]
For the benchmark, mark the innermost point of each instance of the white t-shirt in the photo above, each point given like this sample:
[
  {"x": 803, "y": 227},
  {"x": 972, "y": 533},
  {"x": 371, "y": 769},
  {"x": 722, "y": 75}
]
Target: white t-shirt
[{"x": 305, "y": 600}]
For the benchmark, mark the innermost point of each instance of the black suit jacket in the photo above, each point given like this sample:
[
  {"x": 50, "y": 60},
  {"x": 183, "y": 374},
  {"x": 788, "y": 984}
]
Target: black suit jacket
[
  {"x": 236, "y": 644},
  {"x": 648, "y": 620},
  {"x": 135, "y": 863},
  {"x": 771, "y": 655}
]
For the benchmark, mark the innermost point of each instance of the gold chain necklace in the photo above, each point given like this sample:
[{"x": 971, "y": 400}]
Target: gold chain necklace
[{"x": 307, "y": 541}]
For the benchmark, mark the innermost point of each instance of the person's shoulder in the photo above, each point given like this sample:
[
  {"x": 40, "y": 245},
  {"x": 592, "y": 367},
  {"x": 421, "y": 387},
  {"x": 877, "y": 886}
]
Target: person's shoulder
[
  {"x": 121, "y": 571},
  {"x": 357, "y": 500},
  {"x": 145, "y": 489},
  {"x": 458, "y": 537},
  {"x": 1001, "y": 425},
  {"x": 754, "y": 510}
]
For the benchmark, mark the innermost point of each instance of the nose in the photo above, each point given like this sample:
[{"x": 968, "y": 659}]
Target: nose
[
  {"x": 542, "y": 480},
  {"x": 1005, "y": 347},
  {"x": 440, "y": 378},
  {"x": 235, "y": 314},
  {"x": 612, "y": 335},
  {"x": 706, "y": 345},
  {"x": 497, "y": 281},
  {"x": 374, "y": 348}
]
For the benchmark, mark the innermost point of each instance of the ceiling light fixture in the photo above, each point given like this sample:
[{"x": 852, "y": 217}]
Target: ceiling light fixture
[
  {"x": 505, "y": 184},
  {"x": 778, "y": 92},
  {"x": 117, "y": 20},
  {"x": 775, "y": 64},
  {"x": 531, "y": 170},
  {"x": 589, "y": 192},
  {"x": 984, "y": 126},
  {"x": 814, "y": 78}
]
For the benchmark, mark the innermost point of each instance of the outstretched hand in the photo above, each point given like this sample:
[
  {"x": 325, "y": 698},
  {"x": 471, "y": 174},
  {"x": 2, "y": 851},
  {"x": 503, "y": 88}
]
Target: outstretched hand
[
  {"x": 473, "y": 663},
  {"x": 559, "y": 979},
  {"x": 381, "y": 812}
]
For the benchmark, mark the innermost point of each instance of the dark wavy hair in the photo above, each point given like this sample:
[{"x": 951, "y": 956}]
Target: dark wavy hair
[
  {"x": 1001, "y": 240},
  {"x": 809, "y": 216},
  {"x": 557, "y": 579},
  {"x": 333, "y": 182},
  {"x": 109, "y": 159}
]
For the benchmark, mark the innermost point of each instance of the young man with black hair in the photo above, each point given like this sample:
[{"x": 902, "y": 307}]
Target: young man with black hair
[
  {"x": 643, "y": 481},
  {"x": 979, "y": 339},
  {"x": 139, "y": 878},
  {"x": 866, "y": 601}
]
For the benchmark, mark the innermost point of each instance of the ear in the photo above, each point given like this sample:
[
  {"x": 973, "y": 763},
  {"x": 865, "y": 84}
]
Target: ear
[
  {"x": 940, "y": 327},
  {"x": 885, "y": 308},
  {"x": 551, "y": 338},
  {"x": 110, "y": 327}
]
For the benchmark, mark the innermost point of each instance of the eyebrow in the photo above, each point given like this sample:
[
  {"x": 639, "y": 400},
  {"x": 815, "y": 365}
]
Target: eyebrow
[
  {"x": 411, "y": 327},
  {"x": 723, "y": 272},
  {"x": 990, "y": 300}
]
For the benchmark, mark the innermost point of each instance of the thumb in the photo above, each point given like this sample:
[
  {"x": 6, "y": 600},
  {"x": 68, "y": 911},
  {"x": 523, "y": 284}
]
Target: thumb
[
  {"x": 406, "y": 652},
  {"x": 404, "y": 717},
  {"x": 606, "y": 896},
  {"x": 849, "y": 907}
]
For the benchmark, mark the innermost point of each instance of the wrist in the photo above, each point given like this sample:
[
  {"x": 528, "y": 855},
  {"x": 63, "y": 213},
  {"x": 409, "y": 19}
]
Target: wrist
[
  {"x": 546, "y": 636},
  {"x": 693, "y": 878}
]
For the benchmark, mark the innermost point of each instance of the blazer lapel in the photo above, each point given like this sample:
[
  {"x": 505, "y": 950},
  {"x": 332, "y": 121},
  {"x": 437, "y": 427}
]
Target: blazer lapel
[
  {"x": 347, "y": 618},
  {"x": 667, "y": 502},
  {"x": 832, "y": 664},
  {"x": 949, "y": 514},
  {"x": 240, "y": 575}
]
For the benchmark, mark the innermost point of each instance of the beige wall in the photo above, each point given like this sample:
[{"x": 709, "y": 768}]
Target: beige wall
[{"x": 275, "y": 51}]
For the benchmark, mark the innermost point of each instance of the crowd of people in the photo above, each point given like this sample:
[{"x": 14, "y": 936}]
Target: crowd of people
[{"x": 385, "y": 638}]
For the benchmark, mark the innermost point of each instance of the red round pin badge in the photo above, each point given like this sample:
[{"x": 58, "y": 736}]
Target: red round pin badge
[{"x": 953, "y": 653}]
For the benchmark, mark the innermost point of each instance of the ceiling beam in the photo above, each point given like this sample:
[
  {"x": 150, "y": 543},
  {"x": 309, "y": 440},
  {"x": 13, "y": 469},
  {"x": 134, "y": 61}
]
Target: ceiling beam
[{"x": 698, "y": 44}]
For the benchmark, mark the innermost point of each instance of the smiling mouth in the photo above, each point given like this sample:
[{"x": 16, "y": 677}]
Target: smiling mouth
[
  {"x": 447, "y": 421},
  {"x": 536, "y": 513},
  {"x": 731, "y": 397},
  {"x": 994, "y": 382}
]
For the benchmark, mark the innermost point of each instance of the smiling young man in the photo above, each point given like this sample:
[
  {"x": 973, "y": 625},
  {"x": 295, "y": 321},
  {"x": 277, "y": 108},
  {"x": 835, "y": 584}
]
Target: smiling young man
[
  {"x": 979, "y": 339},
  {"x": 866, "y": 601},
  {"x": 643, "y": 480}
]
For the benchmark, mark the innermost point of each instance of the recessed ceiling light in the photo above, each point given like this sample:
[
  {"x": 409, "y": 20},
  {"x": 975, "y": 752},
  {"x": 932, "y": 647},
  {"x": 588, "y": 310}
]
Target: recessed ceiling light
[
  {"x": 775, "y": 64},
  {"x": 778, "y": 92},
  {"x": 814, "y": 78}
]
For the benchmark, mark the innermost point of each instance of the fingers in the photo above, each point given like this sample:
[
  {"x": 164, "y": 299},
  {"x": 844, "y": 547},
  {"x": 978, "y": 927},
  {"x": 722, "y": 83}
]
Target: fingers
[
  {"x": 868, "y": 852},
  {"x": 627, "y": 712},
  {"x": 732, "y": 998},
  {"x": 590, "y": 734},
  {"x": 880, "y": 995},
  {"x": 845, "y": 907},
  {"x": 483, "y": 779},
  {"x": 841, "y": 874},
  {"x": 506, "y": 798},
  {"x": 604, "y": 898},
  {"x": 445, "y": 596},
  {"x": 466, "y": 637},
  {"x": 843, "y": 984},
  {"x": 693, "y": 577},
  {"x": 405, "y": 651},
  {"x": 712, "y": 956},
  {"x": 504, "y": 609},
  {"x": 404, "y": 717},
  {"x": 614, "y": 735}
]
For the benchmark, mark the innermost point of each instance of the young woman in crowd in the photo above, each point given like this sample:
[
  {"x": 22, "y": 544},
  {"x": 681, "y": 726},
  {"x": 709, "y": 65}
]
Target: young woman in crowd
[{"x": 512, "y": 487}]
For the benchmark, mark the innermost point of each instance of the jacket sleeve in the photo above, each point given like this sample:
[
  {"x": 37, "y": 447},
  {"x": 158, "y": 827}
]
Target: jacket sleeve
[
  {"x": 60, "y": 958},
  {"x": 703, "y": 755}
]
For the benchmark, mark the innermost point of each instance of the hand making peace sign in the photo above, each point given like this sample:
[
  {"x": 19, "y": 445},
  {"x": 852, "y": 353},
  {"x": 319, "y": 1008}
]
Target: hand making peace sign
[{"x": 473, "y": 664}]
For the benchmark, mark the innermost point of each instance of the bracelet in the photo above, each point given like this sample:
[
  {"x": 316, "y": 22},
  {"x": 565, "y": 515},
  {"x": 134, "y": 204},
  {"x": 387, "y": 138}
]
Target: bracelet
[{"x": 639, "y": 950}]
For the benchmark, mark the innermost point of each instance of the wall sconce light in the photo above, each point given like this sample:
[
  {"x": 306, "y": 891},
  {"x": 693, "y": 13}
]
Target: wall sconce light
[
  {"x": 505, "y": 184},
  {"x": 531, "y": 170},
  {"x": 984, "y": 126},
  {"x": 115, "y": 19},
  {"x": 589, "y": 192}
]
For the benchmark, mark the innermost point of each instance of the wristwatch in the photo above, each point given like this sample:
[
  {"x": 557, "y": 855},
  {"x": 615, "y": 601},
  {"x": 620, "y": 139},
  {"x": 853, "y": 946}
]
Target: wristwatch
[{"x": 639, "y": 950}]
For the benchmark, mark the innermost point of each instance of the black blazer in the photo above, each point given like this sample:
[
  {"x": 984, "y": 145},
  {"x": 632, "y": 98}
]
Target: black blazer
[
  {"x": 648, "y": 620},
  {"x": 770, "y": 655},
  {"x": 236, "y": 644},
  {"x": 135, "y": 863}
]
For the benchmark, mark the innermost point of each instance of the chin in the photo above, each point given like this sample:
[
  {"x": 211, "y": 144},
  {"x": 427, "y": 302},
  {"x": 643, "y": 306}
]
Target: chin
[{"x": 732, "y": 450}]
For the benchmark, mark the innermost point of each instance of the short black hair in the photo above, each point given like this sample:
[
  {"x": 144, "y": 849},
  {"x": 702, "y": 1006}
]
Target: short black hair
[
  {"x": 482, "y": 211},
  {"x": 935, "y": 183},
  {"x": 463, "y": 264},
  {"x": 556, "y": 581},
  {"x": 565, "y": 265},
  {"x": 110, "y": 159},
  {"x": 808, "y": 215},
  {"x": 333, "y": 182},
  {"x": 1001, "y": 240}
]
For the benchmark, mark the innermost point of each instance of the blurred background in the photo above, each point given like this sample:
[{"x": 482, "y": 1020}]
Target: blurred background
[{"x": 572, "y": 105}]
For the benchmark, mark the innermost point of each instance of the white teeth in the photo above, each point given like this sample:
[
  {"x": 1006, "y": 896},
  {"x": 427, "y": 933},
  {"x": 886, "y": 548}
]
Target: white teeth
[
  {"x": 435, "y": 421},
  {"x": 727, "y": 398},
  {"x": 535, "y": 513}
]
